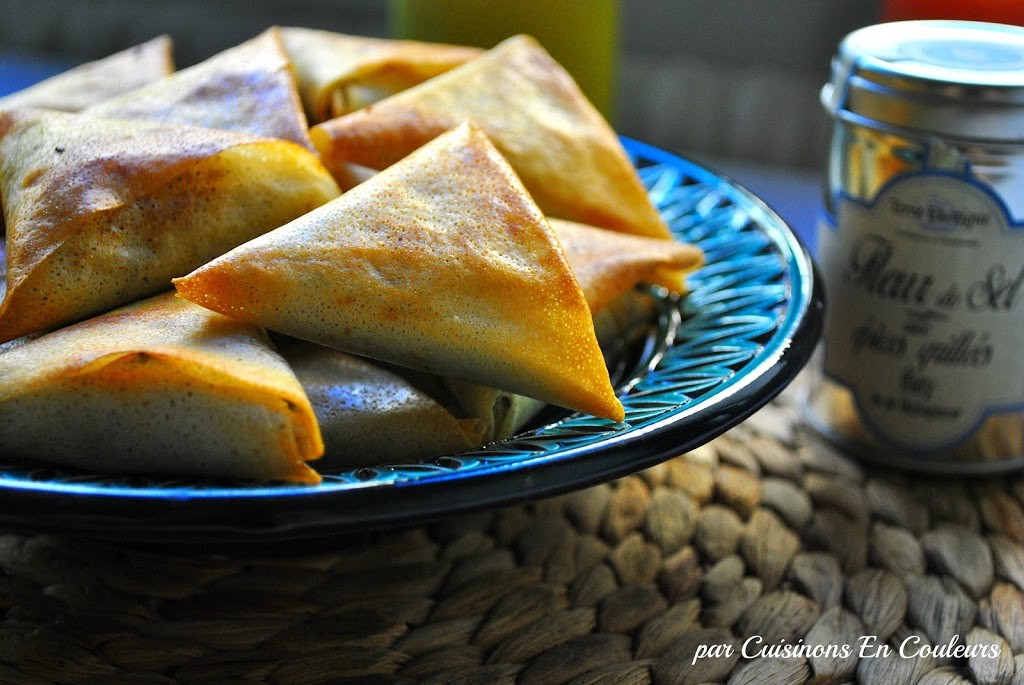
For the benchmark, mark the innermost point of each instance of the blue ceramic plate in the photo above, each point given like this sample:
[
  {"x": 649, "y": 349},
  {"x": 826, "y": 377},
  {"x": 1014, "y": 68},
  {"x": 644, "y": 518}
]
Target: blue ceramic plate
[{"x": 749, "y": 324}]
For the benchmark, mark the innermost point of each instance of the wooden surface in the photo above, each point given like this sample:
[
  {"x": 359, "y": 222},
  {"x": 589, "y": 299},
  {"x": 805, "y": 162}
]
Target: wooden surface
[{"x": 764, "y": 533}]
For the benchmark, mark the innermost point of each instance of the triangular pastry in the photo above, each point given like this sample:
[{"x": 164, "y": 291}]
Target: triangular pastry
[
  {"x": 607, "y": 263},
  {"x": 566, "y": 154},
  {"x": 441, "y": 263},
  {"x": 101, "y": 212},
  {"x": 369, "y": 415},
  {"x": 372, "y": 415},
  {"x": 339, "y": 73},
  {"x": 249, "y": 88},
  {"x": 92, "y": 82},
  {"x": 160, "y": 386}
]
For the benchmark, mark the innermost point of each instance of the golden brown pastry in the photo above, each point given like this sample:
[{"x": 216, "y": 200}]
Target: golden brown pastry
[
  {"x": 101, "y": 212},
  {"x": 607, "y": 266},
  {"x": 441, "y": 263},
  {"x": 93, "y": 82},
  {"x": 502, "y": 414},
  {"x": 160, "y": 386},
  {"x": 339, "y": 73},
  {"x": 566, "y": 154},
  {"x": 249, "y": 88},
  {"x": 607, "y": 263},
  {"x": 371, "y": 414}
]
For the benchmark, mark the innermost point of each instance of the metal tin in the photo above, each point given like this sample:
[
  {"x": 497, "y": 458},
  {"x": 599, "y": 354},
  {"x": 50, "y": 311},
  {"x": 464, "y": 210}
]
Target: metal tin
[{"x": 921, "y": 244}]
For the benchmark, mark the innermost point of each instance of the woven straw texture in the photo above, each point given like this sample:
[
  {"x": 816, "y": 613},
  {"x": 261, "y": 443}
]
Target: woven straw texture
[{"x": 764, "y": 532}]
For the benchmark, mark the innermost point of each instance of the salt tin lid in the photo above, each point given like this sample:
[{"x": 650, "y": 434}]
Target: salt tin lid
[{"x": 959, "y": 79}]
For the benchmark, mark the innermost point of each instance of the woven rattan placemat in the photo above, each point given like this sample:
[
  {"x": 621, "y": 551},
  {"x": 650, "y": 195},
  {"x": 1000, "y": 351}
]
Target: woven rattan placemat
[{"x": 764, "y": 537}]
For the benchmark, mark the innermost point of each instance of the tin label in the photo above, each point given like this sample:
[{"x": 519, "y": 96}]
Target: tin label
[{"x": 926, "y": 290}]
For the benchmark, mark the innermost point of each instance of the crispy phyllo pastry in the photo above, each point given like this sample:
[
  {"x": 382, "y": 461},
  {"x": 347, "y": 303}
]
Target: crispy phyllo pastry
[
  {"x": 159, "y": 386},
  {"x": 499, "y": 414},
  {"x": 370, "y": 415},
  {"x": 339, "y": 73},
  {"x": 441, "y": 263},
  {"x": 249, "y": 88},
  {"x": 566, "y": 154},
  {"x": 101, "y": 212},
  {"x": 607, "y": 263},
  {"x": 93, "y": 82},
  {"x": 607, "y": 266},
  {"x": 502, "y": 414}
]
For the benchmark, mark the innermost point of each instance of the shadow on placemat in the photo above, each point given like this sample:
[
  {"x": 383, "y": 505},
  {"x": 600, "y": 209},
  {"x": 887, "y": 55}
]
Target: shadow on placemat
[{"x": 700, "y": 570}]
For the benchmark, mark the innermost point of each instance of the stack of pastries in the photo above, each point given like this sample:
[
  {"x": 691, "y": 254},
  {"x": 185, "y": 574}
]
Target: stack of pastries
[{"x": 310, "y": 251}]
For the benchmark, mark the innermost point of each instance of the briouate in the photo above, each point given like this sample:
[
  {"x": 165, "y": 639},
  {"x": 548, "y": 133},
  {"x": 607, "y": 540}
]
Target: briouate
[
  {"x": 87, "y": 84},
  {"x": 371, "y": 415},
  {"x": 339, "y": 73},
  {"x": 102, "y": 212},
  {"x": 567, "y": 155},
  {"x": 161, "y": 386},
  {"x": 441, "y": 263},
  {"x": 608, "y": 263},
  {"x": 248, "y": 88}
]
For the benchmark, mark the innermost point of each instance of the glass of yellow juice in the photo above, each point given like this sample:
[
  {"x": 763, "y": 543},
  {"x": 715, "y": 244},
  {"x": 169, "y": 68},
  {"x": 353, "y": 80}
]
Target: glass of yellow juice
[{"x": 582, "y": 35}]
